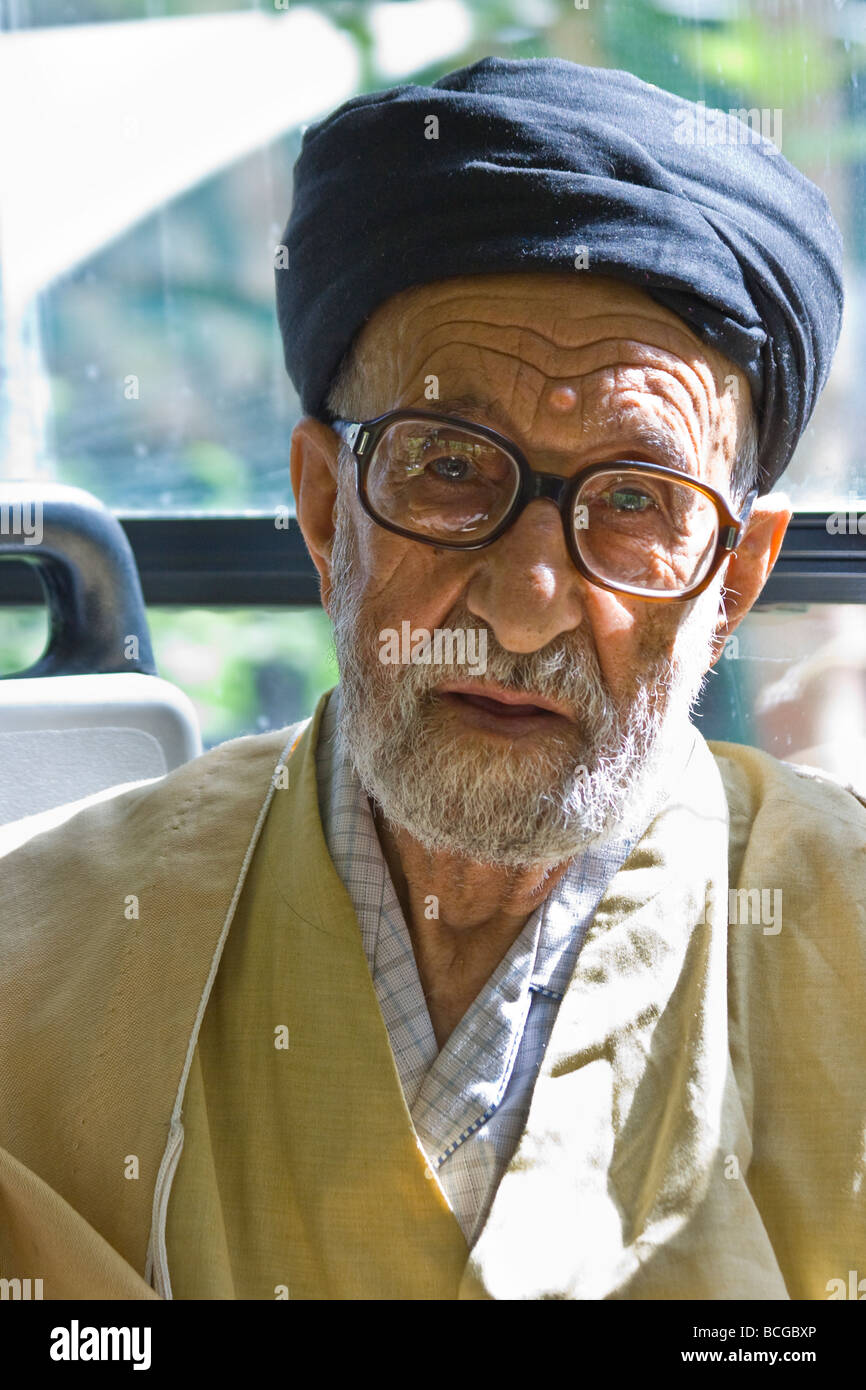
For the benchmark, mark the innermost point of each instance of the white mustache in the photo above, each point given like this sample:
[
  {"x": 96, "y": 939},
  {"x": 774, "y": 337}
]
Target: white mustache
[{"x": 567, "y": 671}]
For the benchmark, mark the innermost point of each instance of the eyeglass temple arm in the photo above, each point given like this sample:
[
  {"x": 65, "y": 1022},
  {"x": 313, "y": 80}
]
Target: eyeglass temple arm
[
  {"x": 346, "y": 429},
  {"x": 734, "y": 534},
  {"x": 747, "y": 509}
]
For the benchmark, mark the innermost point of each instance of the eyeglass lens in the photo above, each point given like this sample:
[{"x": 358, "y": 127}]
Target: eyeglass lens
[{"x": 446, "y": 483}]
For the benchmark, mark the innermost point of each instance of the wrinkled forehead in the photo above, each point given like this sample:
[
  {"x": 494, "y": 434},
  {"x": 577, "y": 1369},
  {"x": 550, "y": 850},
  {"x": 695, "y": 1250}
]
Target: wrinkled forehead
[{"x": 585, "y": 351}]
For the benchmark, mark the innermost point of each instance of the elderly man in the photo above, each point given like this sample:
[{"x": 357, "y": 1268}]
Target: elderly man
[{"x": 493, "y": 979}]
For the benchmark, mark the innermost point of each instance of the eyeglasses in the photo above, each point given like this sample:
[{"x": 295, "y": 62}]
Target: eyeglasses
[{"x": 630, "y": 527}]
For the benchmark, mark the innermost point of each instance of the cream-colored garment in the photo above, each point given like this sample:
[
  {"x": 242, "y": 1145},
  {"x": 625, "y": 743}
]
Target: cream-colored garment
[{"x": 697, "y": 1130}]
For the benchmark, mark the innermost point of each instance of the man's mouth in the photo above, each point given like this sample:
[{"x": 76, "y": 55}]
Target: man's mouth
[{"x": 492, "y": 707}]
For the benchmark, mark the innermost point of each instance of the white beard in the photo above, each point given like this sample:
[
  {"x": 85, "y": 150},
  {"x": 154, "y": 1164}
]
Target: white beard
[{"x": 536, "y": 801}]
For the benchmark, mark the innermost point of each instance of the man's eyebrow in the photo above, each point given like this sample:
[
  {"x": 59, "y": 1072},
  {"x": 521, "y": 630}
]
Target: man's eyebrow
[
  {"x": 484, "y": 412},
  {"x": 652, "y": 439},
  {"x": 642, "y": 436}
]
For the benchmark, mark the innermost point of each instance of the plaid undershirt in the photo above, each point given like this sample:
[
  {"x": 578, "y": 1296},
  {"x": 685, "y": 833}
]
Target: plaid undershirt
[{"x": 469, "y": 1103}]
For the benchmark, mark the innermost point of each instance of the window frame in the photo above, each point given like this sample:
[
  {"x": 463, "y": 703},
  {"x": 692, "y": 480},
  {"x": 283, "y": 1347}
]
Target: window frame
[{"x": 250, "y": 561}]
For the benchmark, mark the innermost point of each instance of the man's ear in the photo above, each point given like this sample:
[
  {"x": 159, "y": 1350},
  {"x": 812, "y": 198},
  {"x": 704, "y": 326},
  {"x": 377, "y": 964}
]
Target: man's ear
[
  {"x": 314, "y": 458},
  {"x": 750, "y": 564}
]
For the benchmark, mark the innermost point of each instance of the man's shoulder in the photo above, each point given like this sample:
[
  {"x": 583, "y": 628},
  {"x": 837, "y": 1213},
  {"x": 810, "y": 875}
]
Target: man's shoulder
[
  {"x": 796, "y": 826},
  {"x": 219, "y": 791},
  {"x": 757, "y": 783},
  {"x": 133, "y": 887}
]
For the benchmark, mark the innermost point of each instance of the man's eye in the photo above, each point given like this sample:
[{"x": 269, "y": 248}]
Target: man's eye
[
  {"x": 450, "y": 460},
  {"x": 454, "y": 469},
  {"x": 447, "y": 467}
]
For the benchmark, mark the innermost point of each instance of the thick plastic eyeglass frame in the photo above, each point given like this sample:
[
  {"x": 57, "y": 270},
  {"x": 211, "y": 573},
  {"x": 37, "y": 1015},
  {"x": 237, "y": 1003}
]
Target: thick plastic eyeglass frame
[{"x": 362, "y": 436}]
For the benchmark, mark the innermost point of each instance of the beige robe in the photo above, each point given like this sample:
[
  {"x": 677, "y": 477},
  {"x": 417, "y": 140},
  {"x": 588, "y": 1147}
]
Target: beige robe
[{"x": 698, "y": 1128}]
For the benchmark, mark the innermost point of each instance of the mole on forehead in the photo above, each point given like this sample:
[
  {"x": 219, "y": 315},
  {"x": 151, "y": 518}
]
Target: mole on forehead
[
  {"x": 559, "y": 398},
  {"x": 476, "y": 410}
]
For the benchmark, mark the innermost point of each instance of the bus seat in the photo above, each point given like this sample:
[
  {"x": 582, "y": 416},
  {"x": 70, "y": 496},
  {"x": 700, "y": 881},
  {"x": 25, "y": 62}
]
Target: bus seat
[{"x": 92, "y": 713}]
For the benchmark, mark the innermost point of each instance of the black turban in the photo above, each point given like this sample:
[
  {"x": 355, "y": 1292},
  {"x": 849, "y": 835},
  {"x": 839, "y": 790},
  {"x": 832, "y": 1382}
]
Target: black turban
[{"x": 534, "y": 158}]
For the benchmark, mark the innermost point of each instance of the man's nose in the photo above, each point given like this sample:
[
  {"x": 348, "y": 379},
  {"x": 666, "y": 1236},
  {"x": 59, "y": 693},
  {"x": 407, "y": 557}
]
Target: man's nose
[{"x": 526, "y": 586}]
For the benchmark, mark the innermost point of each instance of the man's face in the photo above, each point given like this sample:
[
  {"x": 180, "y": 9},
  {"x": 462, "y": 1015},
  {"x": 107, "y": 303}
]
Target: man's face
[{"x": 573, "y": 371}]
